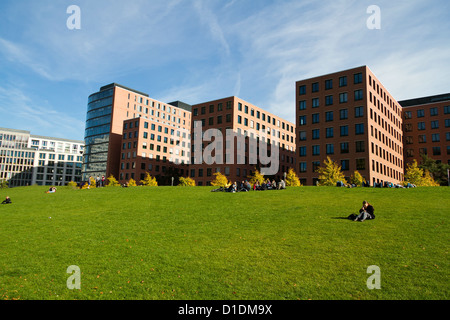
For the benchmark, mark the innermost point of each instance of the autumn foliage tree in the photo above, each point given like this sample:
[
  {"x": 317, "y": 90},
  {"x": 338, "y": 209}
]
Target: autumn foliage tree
[
  {"x": 357, "y": 179},
  {"x": 291, "y": 179},
  {"x": 149, "y": 181},
  {"x": 330, "y": 173},
  {"x": 220, "y": 180},
  {"x": 132, "y": 183},
  {"x": 256, "y": 176},
  {"x": 186, "y": 182},
  {"x": 419, "y": 177},
  {"x": 112, "y": 182}
]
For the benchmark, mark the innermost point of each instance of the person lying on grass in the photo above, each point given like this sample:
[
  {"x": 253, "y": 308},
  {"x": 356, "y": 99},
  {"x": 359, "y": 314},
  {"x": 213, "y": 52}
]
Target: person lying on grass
[{"x": 7, "y": 201}]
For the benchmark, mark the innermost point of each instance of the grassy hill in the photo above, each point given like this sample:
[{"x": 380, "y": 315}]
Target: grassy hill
[{"x": 190, "y": 243}]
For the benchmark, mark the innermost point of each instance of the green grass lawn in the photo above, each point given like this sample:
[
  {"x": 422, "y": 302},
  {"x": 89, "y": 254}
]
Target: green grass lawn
[{"x": 190, "y": 243}]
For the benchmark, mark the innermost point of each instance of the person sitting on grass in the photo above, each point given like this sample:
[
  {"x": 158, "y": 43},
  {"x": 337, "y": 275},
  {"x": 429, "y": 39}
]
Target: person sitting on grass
[
  {"x": 366, "y": 212},
  {"x": 7, "y": 200}
]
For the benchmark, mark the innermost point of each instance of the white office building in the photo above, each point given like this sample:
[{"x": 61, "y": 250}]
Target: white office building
[{"x": 27, "y": 159}]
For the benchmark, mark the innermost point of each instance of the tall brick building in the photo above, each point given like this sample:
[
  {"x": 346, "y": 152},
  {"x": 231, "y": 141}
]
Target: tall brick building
[{"x": 350, "y": 117}]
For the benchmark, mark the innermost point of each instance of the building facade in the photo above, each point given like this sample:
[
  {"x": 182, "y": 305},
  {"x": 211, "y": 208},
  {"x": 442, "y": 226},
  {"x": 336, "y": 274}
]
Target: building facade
[
  {"x": 234, "y": 137},
  {"x": 106, "y": 112},
  {"x": 427, "y": 128},
  {"x": 350, "y": 117},
  {"x": 27, "y": 159}
]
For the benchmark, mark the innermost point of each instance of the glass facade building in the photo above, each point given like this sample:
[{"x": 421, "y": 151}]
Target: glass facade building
[{"x": 96, "y": 136}]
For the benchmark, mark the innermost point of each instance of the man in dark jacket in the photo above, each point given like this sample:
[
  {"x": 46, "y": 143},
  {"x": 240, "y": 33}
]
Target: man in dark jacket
[
  {"x": 7, "y": 201},
  {"x": 366, "y": 212}
]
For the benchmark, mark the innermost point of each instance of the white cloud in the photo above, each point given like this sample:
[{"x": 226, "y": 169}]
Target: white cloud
[{"x": 20, "y": 111}]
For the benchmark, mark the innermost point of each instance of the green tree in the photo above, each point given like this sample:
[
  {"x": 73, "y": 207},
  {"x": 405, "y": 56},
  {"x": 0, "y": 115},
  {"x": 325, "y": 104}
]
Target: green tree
[
  {"x": 186, "y": 182},
  {"x": 291, "y": 179},
  {"x": 149, "y": 181},
  {"x": 330, "y": 173},
  {"x": 438, "y": 170},
  {"x": 220, "y": 180},
  {"x": 112, "y": 182},
  {"x": 4, "y": 184}
]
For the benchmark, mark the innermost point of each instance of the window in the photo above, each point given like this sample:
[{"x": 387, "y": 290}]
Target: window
[
  {"x": 447, "y": 123},
  {"x": 422, "y": 138},
  {"x": 239, "y": 119},
  {"x": 421, "y": 126},
  {"x": 434, "y": 111},
  {"x": 330, "y": 148},
  {"x": 302, "y": 120},
  {"x": 446, "y": 109},
  {"x": 315, "y": 102},
  {"x": 329, "y": 116},
  {"x": 435, "y": 137},
  {"x": 328, "y": 84},
  {"x": 345, "y": 165},
  {"x": 359, "y": 112},
  {"x": 358, "y": 95},
  {"x": 420, "y": 113},
  {"x": 343, "y": 114},
  {"x": 302, "y": 151},
  {"x": 343, "y": 81},
  {"x": 302, "y": 105},
  {"x": 435, "y": 124},
  {"x": 240, "y": 106},
  {"x": 330, "y": 132},
  {"x": 316, "y": 134},
  {"x": 436, "y": 151},
  {"x": 344, "y": 147},
  {"x": 316, "y": 150},
  {"x": 408, "y": 115},
  {"x": 357, "y": 78},
  {"x": 360, "y": 164},
  {"x": 211, "y": 108},
  {"x": 328, "y": 100},
  {"x": 315, "y": 87},
  {"x": 315, "y": 118},
  {"x": 315, "y": 165},
  {"x": 302, "y": 135},
  {"x": 302, "y": 166},
  {"x": 360, "y": 146},
  {"x": 359, "y": 128},
  {"x": 344, "y": 131},
  {"x": 343, "y": 97},
  {"x": 302, "y": 90}
]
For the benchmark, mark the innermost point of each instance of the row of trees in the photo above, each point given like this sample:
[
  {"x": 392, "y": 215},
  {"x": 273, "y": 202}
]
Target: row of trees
[
  {"x": 291, "y": 179},
  {"x": 428, "y": 173},
  {"x": 420, "y": 175}
]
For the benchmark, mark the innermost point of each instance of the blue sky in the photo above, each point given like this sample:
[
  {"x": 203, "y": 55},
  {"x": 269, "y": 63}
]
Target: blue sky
[{"x": 200, "y": 50}]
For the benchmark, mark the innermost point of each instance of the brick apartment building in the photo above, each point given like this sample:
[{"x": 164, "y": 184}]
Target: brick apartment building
[
  {"x": 427, "y": 128},
  {"x": 350, "y": 117},
  {"x": 256, "y": 132}
]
